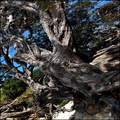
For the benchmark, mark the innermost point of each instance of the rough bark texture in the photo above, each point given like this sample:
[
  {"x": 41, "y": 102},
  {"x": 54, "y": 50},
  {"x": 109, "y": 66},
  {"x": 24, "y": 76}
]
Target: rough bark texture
[
  {"x": 110, "y": 56},
  {"x": 16, "y": 114},
  {"x": 69, "y": 75}
]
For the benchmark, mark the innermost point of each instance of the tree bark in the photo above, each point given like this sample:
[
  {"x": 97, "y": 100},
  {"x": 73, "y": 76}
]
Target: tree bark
[
  {"x": 16, "y": 114},
  {"x": 62, "y": 65}
]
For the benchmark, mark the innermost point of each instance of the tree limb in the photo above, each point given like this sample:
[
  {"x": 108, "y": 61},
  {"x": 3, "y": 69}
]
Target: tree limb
[{"x": 16, "y": 114}]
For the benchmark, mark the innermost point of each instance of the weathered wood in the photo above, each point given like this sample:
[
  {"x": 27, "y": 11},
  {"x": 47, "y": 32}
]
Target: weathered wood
[
  {"x": 110, "y": 56},
  {"x": 5, "y": 107},
  {"x": 16, "y": 114},
  {"x": 62, "y": 65},
  {"x": 12, "y": 107}
]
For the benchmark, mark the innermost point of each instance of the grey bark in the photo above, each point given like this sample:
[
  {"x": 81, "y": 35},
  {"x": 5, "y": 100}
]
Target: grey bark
[
  {"x": 62, "y": 65},
  {"x": 15, "y": 114}
]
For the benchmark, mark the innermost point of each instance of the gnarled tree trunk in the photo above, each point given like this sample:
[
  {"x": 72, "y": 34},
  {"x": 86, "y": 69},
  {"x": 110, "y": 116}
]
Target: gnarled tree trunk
[{"x": 69, "y": 75}]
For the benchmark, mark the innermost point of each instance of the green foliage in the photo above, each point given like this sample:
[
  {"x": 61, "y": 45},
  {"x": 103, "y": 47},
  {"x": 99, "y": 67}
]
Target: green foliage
[
  {"x": 92, "y": 24},
  {"x": 38, "y": 76},
  {"x": 13, "y": 88},
  {"x": 59, "y": 103},
  {"x": 45, "y": 4},
  {"x": 63, "y": 102},
  {"x": 82, "y": 24},
  {"x": 2, "y": 96},
  {"x": 26, "y": 96}
]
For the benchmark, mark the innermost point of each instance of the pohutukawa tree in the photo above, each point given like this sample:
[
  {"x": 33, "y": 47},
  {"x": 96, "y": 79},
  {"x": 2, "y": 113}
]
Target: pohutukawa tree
[{"x": 69, "y": 76}]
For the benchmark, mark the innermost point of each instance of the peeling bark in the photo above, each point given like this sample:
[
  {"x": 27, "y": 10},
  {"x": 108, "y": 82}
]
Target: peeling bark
[
  {"x": 62, "y": 65},
  {"x": 110, "y": 56}
]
